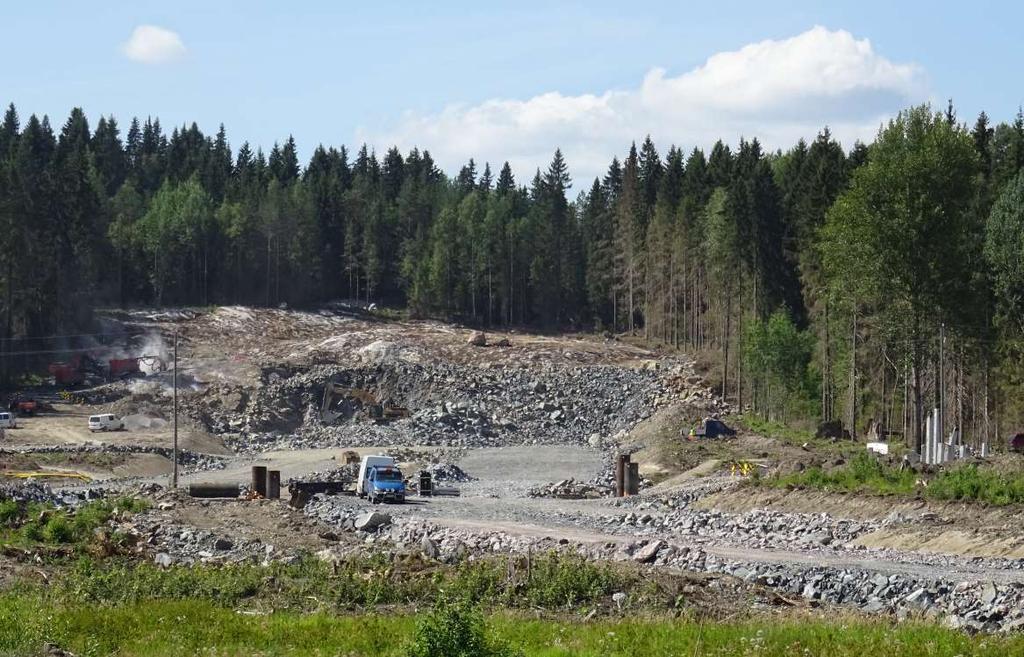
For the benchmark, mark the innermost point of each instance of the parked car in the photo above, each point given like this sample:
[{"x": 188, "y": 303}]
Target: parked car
[
  {"x": 8, "y": 420},
  {"x": 106, "y": 422}
]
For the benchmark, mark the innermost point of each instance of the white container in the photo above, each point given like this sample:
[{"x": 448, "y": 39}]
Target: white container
[{"x": 367, "y": 463}]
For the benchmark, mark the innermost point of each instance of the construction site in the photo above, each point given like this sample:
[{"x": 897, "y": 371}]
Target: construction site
[{"x": 289, "y": 425}]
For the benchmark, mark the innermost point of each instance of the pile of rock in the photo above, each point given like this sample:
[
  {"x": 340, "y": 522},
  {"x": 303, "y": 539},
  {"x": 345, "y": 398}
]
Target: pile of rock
[
  {"x": 446, "y": 472},
  {"x": 346, "y": 473},
  {"x": 29, "y": 491},
  {"x": 756, "y": 529},
  {"x": 570, "y": 489},
  {"x": 190, "y": 460},
  {"x": 34, "y": 492},
  {"x": 691, "y": 389},
  {"x": 453, "y": 405},
  {"x": 968, "y": 605}
]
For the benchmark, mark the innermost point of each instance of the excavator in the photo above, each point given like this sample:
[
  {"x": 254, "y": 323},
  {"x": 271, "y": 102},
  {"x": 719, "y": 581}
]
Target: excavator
[{"x": 342, "y": 401}]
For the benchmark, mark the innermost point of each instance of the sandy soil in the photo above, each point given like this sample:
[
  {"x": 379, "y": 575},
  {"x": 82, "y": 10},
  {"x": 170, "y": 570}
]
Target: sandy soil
[{"x": 68, "y": 424}]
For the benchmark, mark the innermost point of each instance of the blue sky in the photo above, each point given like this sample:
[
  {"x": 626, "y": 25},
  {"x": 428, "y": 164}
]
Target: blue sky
[{"x": 513, "y": 80}]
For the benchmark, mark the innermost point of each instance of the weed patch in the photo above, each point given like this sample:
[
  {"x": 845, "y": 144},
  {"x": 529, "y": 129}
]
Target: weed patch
[{"x": 865, "y": 473}]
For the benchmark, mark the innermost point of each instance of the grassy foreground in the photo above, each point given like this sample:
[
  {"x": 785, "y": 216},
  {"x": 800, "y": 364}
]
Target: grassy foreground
[
  {"x": 864, "y": 473},
  {"x": 175, "y": 628}
]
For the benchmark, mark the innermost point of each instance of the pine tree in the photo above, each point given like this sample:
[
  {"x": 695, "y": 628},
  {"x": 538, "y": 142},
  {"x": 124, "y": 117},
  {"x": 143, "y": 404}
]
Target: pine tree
[
  {"x": 108, "y": 156},
  {"x": 506, "y": 181},
  {"x": 628, "y": 245},
  {"x": 486, "y": 179},
  {"x": 466, "y": 181}
]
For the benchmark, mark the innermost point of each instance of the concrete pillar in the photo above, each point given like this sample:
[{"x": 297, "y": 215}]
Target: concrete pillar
[
  {"x": 621, "y": 464},
  {"x": 632, "y": 478},
  {"x": 259, "y": 480},
  {"x": 273, "y": 484},
  {"x": 213, "y": 490}
]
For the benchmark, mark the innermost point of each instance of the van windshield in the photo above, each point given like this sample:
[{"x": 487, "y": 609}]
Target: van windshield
[
  {"x": 388, "y": 475},
  {"x": 95, "y": 418}
]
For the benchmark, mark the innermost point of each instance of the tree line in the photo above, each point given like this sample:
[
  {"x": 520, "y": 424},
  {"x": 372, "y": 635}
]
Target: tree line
[{"x": 823, "y": 283}]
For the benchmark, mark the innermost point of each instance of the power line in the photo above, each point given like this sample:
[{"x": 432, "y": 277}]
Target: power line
[
  {"x": 66, "y": 337},
  {"x": 39, "y": 352}
]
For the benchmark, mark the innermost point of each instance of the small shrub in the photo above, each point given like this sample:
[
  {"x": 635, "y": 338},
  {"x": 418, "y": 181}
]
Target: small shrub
[
  {"x": 59, "y": 530},
  {"x": 10, "y": 513},
  {"x": 566, "y": 580},
  {"x": 455, "y": 628}
]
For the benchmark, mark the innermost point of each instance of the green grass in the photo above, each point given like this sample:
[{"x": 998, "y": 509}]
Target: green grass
[
  {"x": 796, "y": 436},
  {"x": 971, "y": 483},
  {"x": 195, "y": 627},
  {"x": 29, "y": 525},
  {"x": 863, "y": 473},
  {"x": 867, "y": 474},
  {"x": 552, "y": 581}
]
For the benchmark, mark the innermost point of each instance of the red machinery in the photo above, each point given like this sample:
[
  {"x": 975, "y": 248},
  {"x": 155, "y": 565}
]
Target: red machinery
[
  {"x": 69, "y": 373},
  {"x": 123, "y": 367},
  {"x": 23, "y": 407}
]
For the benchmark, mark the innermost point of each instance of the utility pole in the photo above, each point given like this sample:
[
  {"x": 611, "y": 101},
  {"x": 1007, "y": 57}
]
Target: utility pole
[
  {"x": 174, "y": 378},
  {"x": 940, "y": 430},
  {"x": 853, "y": 379}
]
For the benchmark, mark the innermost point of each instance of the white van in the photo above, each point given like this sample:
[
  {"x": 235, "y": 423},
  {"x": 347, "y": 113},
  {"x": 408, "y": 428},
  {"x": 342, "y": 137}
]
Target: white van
[
  {"x": 367, "y": 463},
  {"x": 107, "y": 422},
  {"x": 8, "y": 421}
]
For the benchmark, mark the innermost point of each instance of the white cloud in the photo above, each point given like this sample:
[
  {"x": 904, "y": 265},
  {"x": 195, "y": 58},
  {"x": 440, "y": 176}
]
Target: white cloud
[
  {"x": 777, "y": 91},
  {"x": 150, "y": 44}
]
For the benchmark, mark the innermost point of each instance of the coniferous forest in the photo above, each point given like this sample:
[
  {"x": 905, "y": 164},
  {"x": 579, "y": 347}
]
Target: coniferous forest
[{"x": 824, "y": 282}]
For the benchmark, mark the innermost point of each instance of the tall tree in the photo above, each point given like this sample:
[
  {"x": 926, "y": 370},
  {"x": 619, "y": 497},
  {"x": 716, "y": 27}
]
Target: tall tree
[{"x": 900, "y": 240}]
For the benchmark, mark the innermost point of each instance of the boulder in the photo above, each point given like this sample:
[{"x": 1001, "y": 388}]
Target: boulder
[
  {"x": 371, "y": 521},
  {"x": 429, "y": 548},
  {"x": 478, "y": 339},
  {"x": 163, "y": 560},
  {"x": 649, "y": 552}
]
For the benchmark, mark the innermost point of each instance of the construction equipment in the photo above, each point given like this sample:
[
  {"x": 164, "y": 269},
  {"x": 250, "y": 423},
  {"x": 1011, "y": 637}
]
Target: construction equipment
[
  {"x": 711, "y": 427},
  {"x": 66, "y": 374},
  {"x": 344, "y": 402},
  {"x": 24, "y": 407},
  {"x": 121, "y": 368},
  {"x": 426, "y": 484},
  {"x": 75, "y": 370},
  {"x": 302, "y": 491}
]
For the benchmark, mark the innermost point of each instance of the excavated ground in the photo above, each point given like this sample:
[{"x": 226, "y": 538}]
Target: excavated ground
[{"x": 515, "y": 419}]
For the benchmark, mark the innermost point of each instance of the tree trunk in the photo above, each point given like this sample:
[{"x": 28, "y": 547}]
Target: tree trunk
[
  {"x": 918, "y": 398},
  {"x": 725, "y": 346},
  {"x": 853, "y": 378}
]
